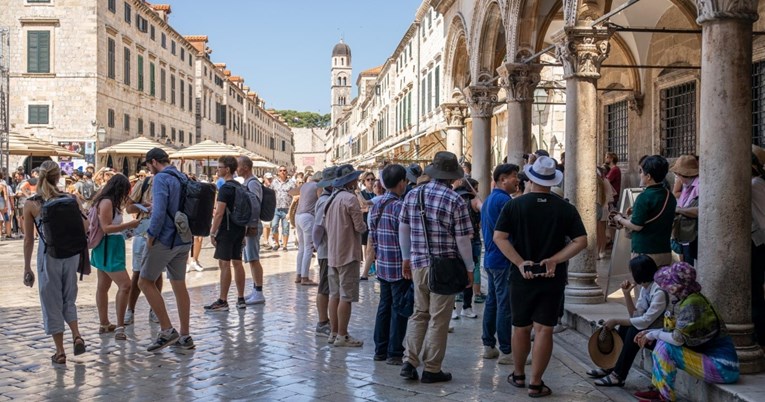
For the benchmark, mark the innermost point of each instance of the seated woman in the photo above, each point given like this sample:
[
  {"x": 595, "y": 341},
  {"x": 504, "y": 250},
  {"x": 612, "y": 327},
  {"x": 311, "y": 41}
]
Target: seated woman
[
  {"x": 647, "y": 313},
  {"x": 694, "y": 338}
]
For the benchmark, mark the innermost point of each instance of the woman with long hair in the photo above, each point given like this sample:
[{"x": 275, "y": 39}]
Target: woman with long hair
[
  {"x": 57, "y": 276},
  {"x": 109, "y": 255}
]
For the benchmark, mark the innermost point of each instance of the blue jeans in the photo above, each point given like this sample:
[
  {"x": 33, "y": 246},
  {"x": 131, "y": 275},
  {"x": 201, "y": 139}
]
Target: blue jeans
[
  {"x": 390, "y": 324},
  {"x": 280, "y": 214},
  {"x": 496, "y": 313},
  {"x": 467, "y": 294}
]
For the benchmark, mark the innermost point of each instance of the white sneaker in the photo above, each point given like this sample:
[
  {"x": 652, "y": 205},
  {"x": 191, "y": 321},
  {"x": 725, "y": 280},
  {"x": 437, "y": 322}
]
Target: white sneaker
[
  {"x": 559, "y": 328},
  {"x": 128, "y": 317},
  {"x": 197, "y": 267},
  {"x": 490, "y": 352},
  {"x": 451, "y": 328},
  {"x": 505, "y": 358},
  {"x": 153, "y": 317},
  {"x": 455, "y": 315},
  {"x": 332, "y": 337},
  {"x": 468, "y": 312},
  {"x": 255, "y": 297},
  {"x": 188, "y": 268},
  {"x": 348, "y": 341}
]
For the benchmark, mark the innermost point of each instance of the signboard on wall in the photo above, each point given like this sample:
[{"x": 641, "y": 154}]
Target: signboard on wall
[{"x": 85, "y": 148}]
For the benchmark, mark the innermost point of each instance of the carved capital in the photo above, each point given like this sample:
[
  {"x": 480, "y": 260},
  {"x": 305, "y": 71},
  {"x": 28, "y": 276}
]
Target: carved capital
[
  {"x": 481, "y": 100},
  {"x": 710, "y": 10},
  {"x": 582, "y": 51},
  {"x": 454, "y": 114},
  {"x": 635, "y": 103},
  {"x": 519, "y": 80}
]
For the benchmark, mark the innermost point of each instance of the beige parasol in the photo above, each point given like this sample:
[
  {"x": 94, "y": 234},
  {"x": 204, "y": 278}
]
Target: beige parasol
[
  {"x": 207, "y": 149},
  {"x": 19, "y": 144},
  {"x": 136, "y": 147}
]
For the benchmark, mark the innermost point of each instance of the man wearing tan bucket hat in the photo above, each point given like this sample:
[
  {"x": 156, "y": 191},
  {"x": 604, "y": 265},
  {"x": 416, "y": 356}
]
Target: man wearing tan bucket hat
[{"x": 686, "y": 170}]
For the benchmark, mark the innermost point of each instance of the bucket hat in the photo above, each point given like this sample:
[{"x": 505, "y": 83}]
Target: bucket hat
[
  {"x": 413, "y": 172},
  {"x": 760, "y": 153},
  {"x": 346, "y": 174},
  {"x": 605, "y": 346},
  {"x": 327, "y": 176},
  {"x": 317, "y": 176},
  {"x": 686, "y": 165},
  {"x": 445, "y": 166},
  {"x": 544, "y": 172}
]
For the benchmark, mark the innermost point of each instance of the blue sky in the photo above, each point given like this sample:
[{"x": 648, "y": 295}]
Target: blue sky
[{"x": 283, "y": 48}]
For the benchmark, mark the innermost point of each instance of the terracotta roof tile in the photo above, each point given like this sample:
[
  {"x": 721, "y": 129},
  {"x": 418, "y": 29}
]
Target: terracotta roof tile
[
  {"x": 162, "y": 7},
  {"x": 196, "y": 38},
  {"x": 372, "y": 71}
]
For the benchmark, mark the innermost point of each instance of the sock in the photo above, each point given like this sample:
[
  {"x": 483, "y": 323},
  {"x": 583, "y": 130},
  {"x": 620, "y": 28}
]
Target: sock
[{"x": 259, "y": 288}]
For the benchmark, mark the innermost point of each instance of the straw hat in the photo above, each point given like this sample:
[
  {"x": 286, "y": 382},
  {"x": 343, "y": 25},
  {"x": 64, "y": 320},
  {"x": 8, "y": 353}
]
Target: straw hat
[
  {"x": 686, "y": 166},
  {"x": 604, "y": 347},
  {"x": 760, "y": 153}
]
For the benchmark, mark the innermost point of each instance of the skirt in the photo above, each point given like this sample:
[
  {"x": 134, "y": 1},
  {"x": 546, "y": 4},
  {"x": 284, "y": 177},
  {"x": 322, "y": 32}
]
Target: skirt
[{"x": 109, "y": 255}]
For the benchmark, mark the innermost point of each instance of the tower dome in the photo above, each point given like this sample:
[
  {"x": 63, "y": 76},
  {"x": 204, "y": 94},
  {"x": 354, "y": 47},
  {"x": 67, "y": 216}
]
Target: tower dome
[{"x": 342, "y": 50}]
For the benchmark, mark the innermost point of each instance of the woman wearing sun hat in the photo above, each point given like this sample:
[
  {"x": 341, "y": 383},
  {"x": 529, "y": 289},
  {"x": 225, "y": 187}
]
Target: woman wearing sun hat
[{"x": 686, "y": 170}]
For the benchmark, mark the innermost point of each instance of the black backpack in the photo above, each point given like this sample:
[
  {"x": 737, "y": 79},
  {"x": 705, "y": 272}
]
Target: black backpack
[
  {"x": 197, "y": 203},
  {"x": 254, "y": 201},
  {"x": 268, "y": 204},
  {"x": 242, "y": 209},
  {"x": 61, "y": 227},
  {"x": 88, "y": 189}
]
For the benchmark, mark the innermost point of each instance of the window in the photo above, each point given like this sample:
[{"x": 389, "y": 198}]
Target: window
[
  {"x": 183, "y": 95},
  {"x": 172, "y": 89},
  {"x": 110, "y": 118},
  {"x": 616, "y": 129},
  {"x": 163, "y": 131},
  {"x": 152, "y": 86},
  {"x": 284, "y": 146},
  {"x": 140, "y": 126},
  {"x": 272, "y": 142},
  {"x": 152, "y": 33},
  {"x": 152, "y": 129},
  {"x": 164, "y": 41},
  {"x": 758, "y": 103},
  {"x": 423, "y": 106},
  {"x": 183, "y": 54},
  {"x": 38, "y": 52},
  {"x": 162, "y": 92},
  {"x": 190, "y": 107},
  {"x": 140, "y": 73},
  {"x": 126, "y": 64},
  {"x": 38, "y": 1},
  {"x": 172, "y": 134},
  {"x": 429, "y": 99},
  {"x": 126, "y": 124},
  {"x": 39, "y": 114},
  {"x": 678, "y": 120},
  {"x": 128, "y": 13},
  {"x": 112, "y": 5},
  {"x": 438, "y": 85},
  {"x": 181, "y": 136},
  {"x": 112, "y": 59},
  {"x": 172, "y": 47},
  {"x": 409, "y": 109}
]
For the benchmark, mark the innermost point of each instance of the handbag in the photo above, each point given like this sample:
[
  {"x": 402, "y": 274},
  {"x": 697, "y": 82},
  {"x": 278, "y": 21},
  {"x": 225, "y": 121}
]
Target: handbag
[
  {"x": 446, "y": 276},
  {"x": 686, "y": 229}
]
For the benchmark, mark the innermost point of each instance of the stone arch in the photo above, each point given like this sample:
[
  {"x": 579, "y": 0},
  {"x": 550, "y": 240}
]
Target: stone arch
[
  {"x": 489, "y": 43},
  {"x": 457, "y": 55}
]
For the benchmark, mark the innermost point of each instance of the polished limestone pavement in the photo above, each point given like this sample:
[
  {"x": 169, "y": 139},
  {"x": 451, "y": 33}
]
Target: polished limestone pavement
[{"x": 267, "y": 352}]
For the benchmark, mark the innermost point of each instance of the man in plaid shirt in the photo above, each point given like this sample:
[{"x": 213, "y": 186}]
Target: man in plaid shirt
[
  {"x": 450, "y": 231},
  {"x": 390, "y": 323}
]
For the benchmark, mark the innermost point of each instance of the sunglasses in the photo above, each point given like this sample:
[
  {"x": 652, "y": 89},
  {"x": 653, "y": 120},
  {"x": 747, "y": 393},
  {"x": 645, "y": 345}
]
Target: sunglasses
[
  {"x": 282, "y": 170},
  {"x": 370, "y": 179}
]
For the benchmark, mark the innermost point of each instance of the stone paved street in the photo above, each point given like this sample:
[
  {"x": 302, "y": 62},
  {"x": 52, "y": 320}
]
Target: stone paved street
[{"x": 262, "y": 353}]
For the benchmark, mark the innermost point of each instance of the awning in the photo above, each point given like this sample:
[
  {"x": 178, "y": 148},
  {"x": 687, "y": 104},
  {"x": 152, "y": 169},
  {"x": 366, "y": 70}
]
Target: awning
[{"x": 207, "y": 149}]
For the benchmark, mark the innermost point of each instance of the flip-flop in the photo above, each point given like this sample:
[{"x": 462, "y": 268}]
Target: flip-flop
[
  {"x": 542, "y": 390},
  {"x": 598, "y": 373},
  {"x": 79, "y": 348},
  {"x": 58, "y": 358}
]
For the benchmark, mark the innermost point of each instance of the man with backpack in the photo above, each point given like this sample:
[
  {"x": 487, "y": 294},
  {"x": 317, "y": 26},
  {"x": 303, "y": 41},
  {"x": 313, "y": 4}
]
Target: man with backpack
[
  {"x": 85, "y": 187},
  {"x": 232, "y": 214},
  {"x": 166, "y": 248},
  {"x": 252, "y": 236}
]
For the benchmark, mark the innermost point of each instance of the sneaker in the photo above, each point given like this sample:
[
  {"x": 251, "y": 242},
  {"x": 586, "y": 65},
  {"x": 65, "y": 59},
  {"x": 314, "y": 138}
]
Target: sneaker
[
  {"x": 505, "y": 358},
  {"x": 455, "y": 315},
  {"x": 380, "y": 358},
  {"x": 332, "y": 337},
  {"x": 451, "y": 328},
  {"x": 164, "y": 339},
  {"x": 459, "y": 298},
  {"x": 197, "y": 267},
  {"x": 185, "y": 342},
  {"x": 430, "y": 378},
  {"x": 468, "y": 312},
  {"x": 129, "y": 316},
  {"x": 394, "y": 361},
  {"x": 348, "y": 341},
  {"x": 256, "y": 297},
  {"x": 559, "y": 328},
  {"x": 479, "y": 298},
  {"x": 241, "y": 304},
  {"x": 153, "y": 317},
  {"x": 490, "y": 352},
  {"x": 323, "y": 330},
  {"x": 188, "y": 268},
  {"x": 409, "y": 372},
  {"x": 218, "y": 305}
]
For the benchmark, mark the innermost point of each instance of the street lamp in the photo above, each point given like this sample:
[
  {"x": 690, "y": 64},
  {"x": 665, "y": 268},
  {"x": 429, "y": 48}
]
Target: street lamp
[
  {"x": 101, "y": 133},
  {"x": 540, "y": 98}
]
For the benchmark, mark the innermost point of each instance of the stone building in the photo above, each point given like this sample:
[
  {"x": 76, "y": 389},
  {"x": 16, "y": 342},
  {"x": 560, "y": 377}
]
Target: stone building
[
  {"x": 309, "y": 148},
  {"x": 81, "y": 66}
]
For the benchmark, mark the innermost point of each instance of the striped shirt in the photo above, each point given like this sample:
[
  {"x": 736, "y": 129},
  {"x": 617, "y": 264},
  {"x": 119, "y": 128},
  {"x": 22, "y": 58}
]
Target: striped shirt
[
  {"x": 447, "y": 218},
  {"x": 383, "y": 230}
]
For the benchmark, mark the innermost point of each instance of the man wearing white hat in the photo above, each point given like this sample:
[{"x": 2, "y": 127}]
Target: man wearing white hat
[{"x": 531, "y": 232}]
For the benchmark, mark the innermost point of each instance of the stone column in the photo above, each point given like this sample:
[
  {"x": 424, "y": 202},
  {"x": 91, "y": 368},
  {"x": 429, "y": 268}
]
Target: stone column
[
  {"x": 454, "y": 114},
  {"x": 581, "y": 51},
  {"x": 725, "y": 123},
  {"x": 519, "y": 82},
  {"x": 481, "y": 100}
]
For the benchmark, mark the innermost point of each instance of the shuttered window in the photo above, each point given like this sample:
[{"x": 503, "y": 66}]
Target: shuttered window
[
  {"x": 38, "y": 52},
  {"x": 39, "y": 114}
]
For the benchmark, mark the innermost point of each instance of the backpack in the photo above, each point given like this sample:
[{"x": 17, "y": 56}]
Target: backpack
[
  {"x": 95, "y": 233},
  {"x": 88, "y": 189},
  {"x": 196, "y": 203},
  {"x": 268, "y": 204},
  {"x": 60, "y": 227},
  {"x": 255, "y": 209},
  {"x": 241, "y": 213}
]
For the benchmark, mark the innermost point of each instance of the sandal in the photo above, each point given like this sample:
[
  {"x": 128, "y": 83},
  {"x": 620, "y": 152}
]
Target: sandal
[
  {"x": 119, "y": 334},
  {"x": 102, "y": 329},
  {"x": 58, "y": 358},
  {"x": 79, "y": 347},
  {"x": 541, "y": 390},
  {"x": 598, "y": 373},
  {"x": 610, "y": 381},
  {"x": 308, "y": 282},
  {"x": 513, "y": 380},
  {"x": 298, "y": 279}
]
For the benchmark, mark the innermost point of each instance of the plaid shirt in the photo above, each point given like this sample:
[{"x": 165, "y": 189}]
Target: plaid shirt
[
  {"x": 447, "y": 218},
  {"x": 383, "y": 231}
]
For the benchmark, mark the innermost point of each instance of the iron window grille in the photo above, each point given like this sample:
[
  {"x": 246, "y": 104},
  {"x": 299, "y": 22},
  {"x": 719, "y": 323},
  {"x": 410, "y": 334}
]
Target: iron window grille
[
  {"x": 678, "y": 120},
  {"x": 617, "y": 129},
  {"x": 758, "y": 103}
]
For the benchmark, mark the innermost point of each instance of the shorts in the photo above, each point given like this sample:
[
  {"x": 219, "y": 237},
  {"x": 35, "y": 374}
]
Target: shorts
[
  {"x": 139, "y": 248},
  {"x": 323, "y": 277},
  {"x": 344, "y": 282},
  {"x": 280, "y": 215},
  {"x": 252, "y": 246},
  {"x": 159, "y": 256},
  {"x": 5, "y": 217},
  {"x": 229, "y": 246},
  {"x": 535, "y": 301},
  {"x": 364, "y": 236}
]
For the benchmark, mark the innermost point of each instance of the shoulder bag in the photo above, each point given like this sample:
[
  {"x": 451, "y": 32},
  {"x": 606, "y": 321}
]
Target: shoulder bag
[
  {"x": 446, "y": 276},
  {"x": 686, "y": 229},
  {"x": 628, "y": 232}
]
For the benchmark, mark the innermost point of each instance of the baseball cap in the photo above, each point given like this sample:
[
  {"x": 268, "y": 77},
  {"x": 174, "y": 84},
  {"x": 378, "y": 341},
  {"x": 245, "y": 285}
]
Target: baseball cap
[
  {"x": 268, "y": 175},
  {"x": 156, "y": 154}
]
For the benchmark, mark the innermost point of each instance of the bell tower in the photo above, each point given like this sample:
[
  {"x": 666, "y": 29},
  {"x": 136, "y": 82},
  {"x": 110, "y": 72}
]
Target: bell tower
[{"x": 341, "y": 79}]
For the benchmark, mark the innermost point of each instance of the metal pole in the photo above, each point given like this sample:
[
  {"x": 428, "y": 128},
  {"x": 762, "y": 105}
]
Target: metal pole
[{"x": 5, "y": 85}]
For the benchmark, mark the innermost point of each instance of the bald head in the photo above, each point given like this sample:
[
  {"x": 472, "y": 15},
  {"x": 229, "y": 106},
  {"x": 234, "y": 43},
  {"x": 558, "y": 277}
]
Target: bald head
[{"x": 245, "y": 166}]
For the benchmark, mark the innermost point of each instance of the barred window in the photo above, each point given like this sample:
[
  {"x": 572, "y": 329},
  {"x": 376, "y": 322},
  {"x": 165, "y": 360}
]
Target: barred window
[
  {"x": 678, "y": 120},
  {"x": 758, "y": 103},
  {"x": 616, "y": 129}
]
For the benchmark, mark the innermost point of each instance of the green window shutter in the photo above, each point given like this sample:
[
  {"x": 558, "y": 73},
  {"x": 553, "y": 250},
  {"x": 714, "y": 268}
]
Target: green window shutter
[
  {"x": 38, "y": 114},
  {"x": 38, "y": 51},
  {"x": 152, "y": 87},
  {"x": 140, "y": 73}
]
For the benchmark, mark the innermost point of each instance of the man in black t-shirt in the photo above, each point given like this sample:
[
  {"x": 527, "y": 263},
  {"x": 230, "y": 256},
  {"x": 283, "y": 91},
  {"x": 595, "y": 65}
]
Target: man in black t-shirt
[
  {"x": 532, "y": 231},
  {"x": 227, "y": 237}
]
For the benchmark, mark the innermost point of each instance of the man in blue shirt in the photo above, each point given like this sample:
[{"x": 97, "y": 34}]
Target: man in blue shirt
[
  {"x": 165, "y": 248},
  {"x": 496, "y": 317}
]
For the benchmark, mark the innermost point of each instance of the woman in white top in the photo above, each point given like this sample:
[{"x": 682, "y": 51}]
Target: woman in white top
[{"x": 647, "y": 313}]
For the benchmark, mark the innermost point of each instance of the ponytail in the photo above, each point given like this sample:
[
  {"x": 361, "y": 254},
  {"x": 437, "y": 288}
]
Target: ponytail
[{"x": 47, "y": 186}]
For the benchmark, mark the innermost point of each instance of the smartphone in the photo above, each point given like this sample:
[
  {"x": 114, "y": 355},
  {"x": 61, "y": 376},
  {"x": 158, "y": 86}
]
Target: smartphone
[{"x": 536, "y": 269}]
